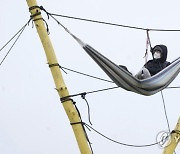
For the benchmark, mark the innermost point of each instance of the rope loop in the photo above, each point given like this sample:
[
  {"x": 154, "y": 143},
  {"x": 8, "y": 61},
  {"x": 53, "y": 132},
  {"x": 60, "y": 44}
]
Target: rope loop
[
  {"x": 36, "y": 14},
  {"x": 86, "y": 135},
  {"x": 33, "y": 7}
]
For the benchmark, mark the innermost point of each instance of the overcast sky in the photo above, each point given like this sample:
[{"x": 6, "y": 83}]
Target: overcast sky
[{"x": 32, "y": 119}]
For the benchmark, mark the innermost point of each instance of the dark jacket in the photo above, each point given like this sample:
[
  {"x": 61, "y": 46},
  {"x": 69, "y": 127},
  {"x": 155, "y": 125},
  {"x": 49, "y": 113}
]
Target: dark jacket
[{"x": 156, "y": 65}]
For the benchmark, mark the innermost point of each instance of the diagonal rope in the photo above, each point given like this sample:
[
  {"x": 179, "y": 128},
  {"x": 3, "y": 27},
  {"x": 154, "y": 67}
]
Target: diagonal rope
[
  {"x": 165, "y": 111},
  {"x": 14, "y": 35},
  {"x": 113, "y": 24},
  {"x": 102, "y": 22},
  {"x": 74, "y": 71},
  {"x": 18, "y": 34}
]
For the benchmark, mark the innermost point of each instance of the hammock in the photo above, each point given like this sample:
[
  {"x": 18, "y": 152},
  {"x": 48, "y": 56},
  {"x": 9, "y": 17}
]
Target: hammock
[{"x": 125, "y": 80}]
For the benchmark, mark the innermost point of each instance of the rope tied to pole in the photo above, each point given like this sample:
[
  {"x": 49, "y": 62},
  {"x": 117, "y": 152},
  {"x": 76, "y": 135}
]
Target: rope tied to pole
[
  {"x": 37, "y": 14},
  {"x": 18, "y": 34},
  {"x": 67, "y": 98},
  {"x": 83, "y": 126},
  {"x": 112, "y": 140}
]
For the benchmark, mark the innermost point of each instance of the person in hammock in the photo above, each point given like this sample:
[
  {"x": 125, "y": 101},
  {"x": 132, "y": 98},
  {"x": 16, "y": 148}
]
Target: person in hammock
[{"x": 155, "y": 65}]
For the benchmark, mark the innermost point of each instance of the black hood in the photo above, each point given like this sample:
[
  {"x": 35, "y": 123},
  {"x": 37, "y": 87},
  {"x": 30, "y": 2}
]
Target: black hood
[{"x": 163, "y": 50}]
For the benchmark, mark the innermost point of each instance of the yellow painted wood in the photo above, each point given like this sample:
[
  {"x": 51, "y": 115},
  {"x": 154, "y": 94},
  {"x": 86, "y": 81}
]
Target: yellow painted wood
[
  {"x": 174, "y": 140},
  {"x": 58, "y": 79}
]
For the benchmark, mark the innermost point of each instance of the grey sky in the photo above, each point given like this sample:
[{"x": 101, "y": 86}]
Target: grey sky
[{"x": 32, "y": 119}]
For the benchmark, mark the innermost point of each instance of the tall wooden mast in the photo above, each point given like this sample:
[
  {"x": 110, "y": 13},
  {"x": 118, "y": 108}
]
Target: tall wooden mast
[{"x": 58, "y": 79}]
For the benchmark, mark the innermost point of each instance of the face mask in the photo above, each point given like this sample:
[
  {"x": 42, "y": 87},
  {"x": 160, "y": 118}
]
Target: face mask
[{"x": 157, "y": 55}]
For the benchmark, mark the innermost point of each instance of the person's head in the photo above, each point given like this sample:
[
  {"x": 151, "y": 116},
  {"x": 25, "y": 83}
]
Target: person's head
[{"x": 159, "y": 53}]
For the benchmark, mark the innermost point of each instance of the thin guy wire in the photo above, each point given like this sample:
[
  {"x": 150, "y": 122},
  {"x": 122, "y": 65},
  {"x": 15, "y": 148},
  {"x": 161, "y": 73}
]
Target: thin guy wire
[
  {"x": 14, "y": 36},
  {"x": 125, "y": 144},
  {"x": 103, "y": 22},
  {"x": 100, "y": 90},
  {"x": 19, "y": 32},
  {"x": 113, "y": 24},
  {"x": 86, "y": 74},
  {"x": 98, "y": 78},
  {"x": 90, "y": 92},
  {"x": 174, "y": 87},
  {"x": 165, "y": 112}
]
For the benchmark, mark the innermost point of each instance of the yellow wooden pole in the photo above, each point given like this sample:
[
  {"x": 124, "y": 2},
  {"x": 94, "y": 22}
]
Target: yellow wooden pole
[
  {"x": 58, "y": 79},
  {"x": 174, "y": 140}
]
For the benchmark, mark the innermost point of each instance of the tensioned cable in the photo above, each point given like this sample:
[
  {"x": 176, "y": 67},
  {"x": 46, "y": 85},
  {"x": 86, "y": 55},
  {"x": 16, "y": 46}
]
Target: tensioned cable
[
  {"x": 101, "y": 90},
  {"x": 90, "y": 92},
  {"x": 103, "y": 22},
  {"x": 174, "y": 87},
  {"x": 112, "y": 24},
  {"x": 125, "y": 144},
  {"x": 15, "y": 35},
  {"x": 18, "y": 36},
  {"x": 85, "y": 74},
  {"x": 165, "y": 112},
  {"x": 106, "y": 89},
  {"x": 98, "y": 78}
]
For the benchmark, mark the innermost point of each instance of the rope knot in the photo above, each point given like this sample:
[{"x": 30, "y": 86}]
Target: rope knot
[{"x": 83, "y": 95}]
